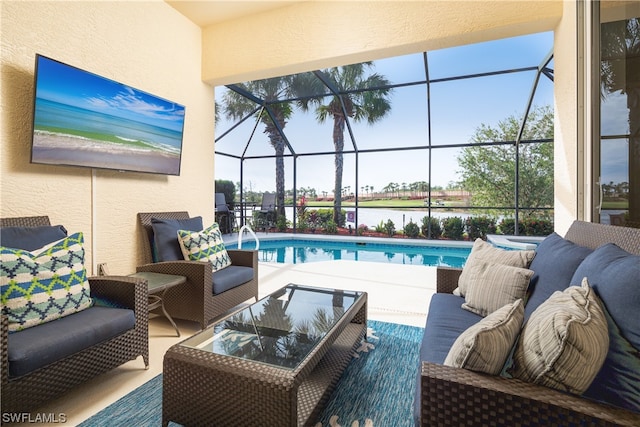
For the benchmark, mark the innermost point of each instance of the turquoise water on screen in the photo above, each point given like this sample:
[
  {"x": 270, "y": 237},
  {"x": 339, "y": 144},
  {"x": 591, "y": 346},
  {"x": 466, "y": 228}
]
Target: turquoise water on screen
[{"x": 294, "y": 251}]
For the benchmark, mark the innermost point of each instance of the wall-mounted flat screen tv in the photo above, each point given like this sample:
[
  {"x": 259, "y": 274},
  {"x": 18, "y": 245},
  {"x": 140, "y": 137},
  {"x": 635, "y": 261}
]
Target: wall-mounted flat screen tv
[{"x": 82, "y": 119}]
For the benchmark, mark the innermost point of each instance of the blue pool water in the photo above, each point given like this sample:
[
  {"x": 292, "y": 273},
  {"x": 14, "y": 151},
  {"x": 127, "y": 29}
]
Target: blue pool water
[{"x": 295, "y": 251}]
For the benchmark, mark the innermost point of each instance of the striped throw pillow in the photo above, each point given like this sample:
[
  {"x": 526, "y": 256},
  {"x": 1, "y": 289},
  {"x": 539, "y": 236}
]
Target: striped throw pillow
[
  {"x": 565, "y": 341},
  {"x": 491, "y": 286},
  {"x": 485, "y": 346}
]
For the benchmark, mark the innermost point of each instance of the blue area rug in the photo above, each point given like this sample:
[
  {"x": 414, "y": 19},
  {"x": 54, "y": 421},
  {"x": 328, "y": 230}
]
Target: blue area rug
[{"x": 376, "y": 389}]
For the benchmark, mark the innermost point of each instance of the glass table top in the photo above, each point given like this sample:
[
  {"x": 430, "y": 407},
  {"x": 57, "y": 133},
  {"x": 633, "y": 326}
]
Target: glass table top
[{"x": 280, "y": 329}]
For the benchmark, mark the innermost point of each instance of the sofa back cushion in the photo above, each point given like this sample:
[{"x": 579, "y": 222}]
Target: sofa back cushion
[
  {"x": 615, "y": 276},
  {"x": 31, "y": 238},
  {"x": 555, "y": 263},
  {"x": 44, "y": 285}
]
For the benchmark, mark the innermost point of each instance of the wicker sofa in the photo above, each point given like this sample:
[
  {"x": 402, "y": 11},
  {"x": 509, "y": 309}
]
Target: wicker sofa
[
  {"x": 198, "y": 299},
  {"x": 447, "y": 395},
  {"x": 44, "y": 361}
]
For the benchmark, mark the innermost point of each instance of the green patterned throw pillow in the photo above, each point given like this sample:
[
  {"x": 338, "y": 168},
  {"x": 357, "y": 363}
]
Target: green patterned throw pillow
[
  {"x": 43, "y": 285},
  {"x": 205, "y": 245}
]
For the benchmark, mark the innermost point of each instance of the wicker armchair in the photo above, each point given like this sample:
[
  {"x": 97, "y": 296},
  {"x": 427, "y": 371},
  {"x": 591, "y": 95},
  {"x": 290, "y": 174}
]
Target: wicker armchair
[
  {"x": 455, "y": 396},
  {"x": 29, "y": 391},
  {"x": 195, "y": 300}
]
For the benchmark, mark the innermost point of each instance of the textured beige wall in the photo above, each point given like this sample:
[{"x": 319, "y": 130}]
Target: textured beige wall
[
  {"x": 568, "y": 189},
  {"x": 317, "y": 34},
  {"x": 147, "y": 45}
]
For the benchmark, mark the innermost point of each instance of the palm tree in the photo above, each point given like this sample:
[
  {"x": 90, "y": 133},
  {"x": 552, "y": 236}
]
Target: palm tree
[
  {"x": 274, "y": 116},
  {"x": 348, "y": 99},
  {"x": 620, "y": 71}
]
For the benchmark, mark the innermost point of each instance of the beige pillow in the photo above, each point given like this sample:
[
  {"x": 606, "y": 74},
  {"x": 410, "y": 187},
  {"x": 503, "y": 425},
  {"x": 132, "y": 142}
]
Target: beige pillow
[
  {"x": 485, "y": 346},
  {"x": 491, "y": 286},
  {"x": 565, "y": 341},
  {"x": 486, "y": 252}
]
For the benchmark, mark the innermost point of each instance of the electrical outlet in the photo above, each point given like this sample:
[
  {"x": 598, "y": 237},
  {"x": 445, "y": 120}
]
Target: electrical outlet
[{"x": 102, "y": 269}]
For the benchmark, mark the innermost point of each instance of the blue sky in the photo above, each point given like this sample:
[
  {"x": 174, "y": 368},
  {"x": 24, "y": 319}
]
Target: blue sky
[{"x": 69, "y": 85}]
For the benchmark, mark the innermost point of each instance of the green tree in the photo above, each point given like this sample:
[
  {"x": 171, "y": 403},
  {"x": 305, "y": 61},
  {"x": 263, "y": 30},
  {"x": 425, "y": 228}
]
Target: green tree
[
  {"x": 348, "y": 100},
  {"x": 236, "y": 105},
  {"x": 488, "y": 171}
]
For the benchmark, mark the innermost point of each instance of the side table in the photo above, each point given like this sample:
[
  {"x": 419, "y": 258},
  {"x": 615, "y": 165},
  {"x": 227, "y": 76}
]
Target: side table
[{"x": 158, "y": 285}]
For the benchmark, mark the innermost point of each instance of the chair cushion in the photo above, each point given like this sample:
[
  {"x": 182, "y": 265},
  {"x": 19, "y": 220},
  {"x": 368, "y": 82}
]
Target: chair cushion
[
  {"x": 230, "y": 277},
  {"x": 486, "y": 252},
  {"x": 565, "y": 341},
  {"x": 44, "y": 285},
  {"x": 31, "y": 238},
  {"x": 206, "y": 245},
  {"x": 485, "y": 346},
  {"x": 554, "y": 264},
  {"x": 491, "y": 286},
  {"x": 165, "y": 236},
  {"x": 36, "y": 347}
]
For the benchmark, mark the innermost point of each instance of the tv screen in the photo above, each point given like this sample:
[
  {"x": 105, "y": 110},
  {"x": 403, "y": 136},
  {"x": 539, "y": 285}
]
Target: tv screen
[{"x": 82, "y": 119}]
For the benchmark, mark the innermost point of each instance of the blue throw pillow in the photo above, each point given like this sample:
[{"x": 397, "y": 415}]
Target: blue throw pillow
[
  {"x": 165, "y": 236},
  {"x": 555, "y": 262},
  {"x": 31, "y": 238},
  {"x": 618, "y": 382},
  {"x": 615, "y": 275}
]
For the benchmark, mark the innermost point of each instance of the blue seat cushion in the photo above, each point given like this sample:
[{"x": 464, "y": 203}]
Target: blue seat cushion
[
  {"x": 165, "y": 245},
  {"x": 445, "y": 322},
  {"x": 31, "y": 238},
  {"x": 230, "y": 277},
  {"x": 554, "y": 264},
  {"x": 36, "y": 347}
]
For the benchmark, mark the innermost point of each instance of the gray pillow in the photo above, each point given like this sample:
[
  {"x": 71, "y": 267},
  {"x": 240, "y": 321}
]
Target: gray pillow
[
  {"x": 565, "y": 341},
  {"x": 485, "y": 346},
  {"x": 486, "y": 252},
  {"x": 491, "y": 286}
]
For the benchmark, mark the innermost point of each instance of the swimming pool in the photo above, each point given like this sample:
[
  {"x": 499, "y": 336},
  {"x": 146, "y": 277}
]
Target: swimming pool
[{"x": 297, "y": 251}]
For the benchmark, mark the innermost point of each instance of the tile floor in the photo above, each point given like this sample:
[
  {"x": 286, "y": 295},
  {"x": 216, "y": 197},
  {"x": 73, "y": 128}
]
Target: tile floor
[{"x": 396, "y": 293}]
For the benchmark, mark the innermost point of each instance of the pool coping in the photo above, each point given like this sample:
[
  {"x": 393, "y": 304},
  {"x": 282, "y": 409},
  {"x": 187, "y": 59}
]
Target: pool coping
[{"x": 233, "y": 239}]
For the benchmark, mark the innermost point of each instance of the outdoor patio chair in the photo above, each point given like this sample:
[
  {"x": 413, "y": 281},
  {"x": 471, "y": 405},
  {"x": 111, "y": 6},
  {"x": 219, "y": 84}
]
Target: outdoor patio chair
[
  {"x": 206, "y": 294},
  {"x": 265, "y": 217},
  {"x": 224, "y": 216}
]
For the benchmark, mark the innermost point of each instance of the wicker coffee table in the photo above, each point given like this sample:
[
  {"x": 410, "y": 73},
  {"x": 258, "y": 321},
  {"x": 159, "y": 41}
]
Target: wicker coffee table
[{"x": 274, "y": 363}]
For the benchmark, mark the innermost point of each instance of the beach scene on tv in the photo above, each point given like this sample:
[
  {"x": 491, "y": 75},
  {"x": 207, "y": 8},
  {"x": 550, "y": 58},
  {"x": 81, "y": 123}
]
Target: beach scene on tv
[{"x": 82, "y": 119}]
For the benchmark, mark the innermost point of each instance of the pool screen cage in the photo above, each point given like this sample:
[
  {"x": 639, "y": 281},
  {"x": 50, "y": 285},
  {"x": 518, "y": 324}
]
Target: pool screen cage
[{"x": 271, "y": 102}]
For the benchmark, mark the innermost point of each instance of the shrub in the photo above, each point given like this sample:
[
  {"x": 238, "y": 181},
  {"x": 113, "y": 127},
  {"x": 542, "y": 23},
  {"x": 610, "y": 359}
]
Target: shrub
[
  {"x": 453, "y": 228},
  {"x": 537, "y": 227},
  {"x": 480, "y": 226},
  {"x": 389, "y": 228},
  {"x": 436, "y": 229},
  {"x": 281, "y": 223},
  {"x": 411, "y": 229},
  {"x": 361, "y": 229},
  {"x": 331, "y": 228},
  {"x": 380, "y": 227},
  {"x": 527, "y": 227}
]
